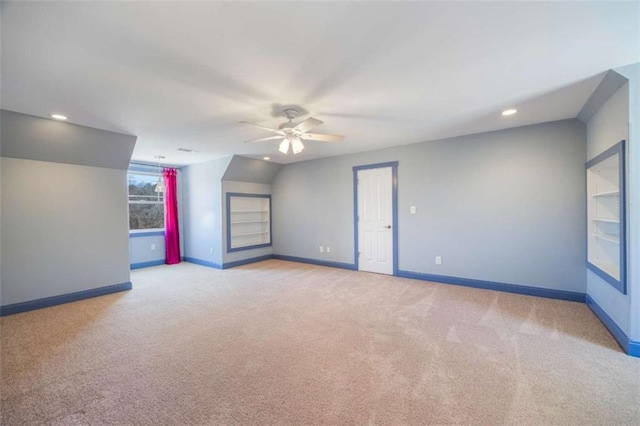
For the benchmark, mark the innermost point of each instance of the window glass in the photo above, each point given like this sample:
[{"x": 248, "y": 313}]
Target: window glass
[{"x": 146, "y": 206}]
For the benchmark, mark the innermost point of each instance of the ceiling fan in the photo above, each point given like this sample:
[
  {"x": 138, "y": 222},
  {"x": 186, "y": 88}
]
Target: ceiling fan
[{"x": 293, "y": 134}]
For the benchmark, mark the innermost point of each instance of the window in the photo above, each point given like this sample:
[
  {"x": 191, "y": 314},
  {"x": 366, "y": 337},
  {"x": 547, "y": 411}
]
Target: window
[{"x": 146, "y": 206}]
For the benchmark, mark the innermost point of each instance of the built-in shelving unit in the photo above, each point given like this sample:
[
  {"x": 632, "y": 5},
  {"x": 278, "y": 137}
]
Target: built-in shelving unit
[
  {"x": 248, "y": 221},
  {"x": 606, "y": 243}
]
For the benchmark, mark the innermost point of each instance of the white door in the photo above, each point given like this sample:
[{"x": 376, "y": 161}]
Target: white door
[{"x": 375, "y": 219}]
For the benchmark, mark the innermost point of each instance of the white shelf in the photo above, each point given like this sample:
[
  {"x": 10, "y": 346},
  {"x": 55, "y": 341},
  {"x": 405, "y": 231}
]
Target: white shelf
[
  {"x": 238, "y": 245},
  {"x": 250, "y": 233},
  {"x": 607, "y": 194},
  {"x": 608, "y": 239},
  {"x": 249, "y": 221},
  {"x": 606, "y": 220}
]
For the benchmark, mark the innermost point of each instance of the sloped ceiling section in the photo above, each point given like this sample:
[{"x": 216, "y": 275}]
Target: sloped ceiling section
[
  {"x": 243, "y": 169},
  {"x": 610, "y": 83},
  {"x": 34, "y": 138}
]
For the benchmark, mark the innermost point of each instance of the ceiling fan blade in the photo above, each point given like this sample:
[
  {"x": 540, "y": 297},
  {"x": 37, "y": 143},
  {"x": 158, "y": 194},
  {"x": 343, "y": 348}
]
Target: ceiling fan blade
[
  {"x": 307, "y": 125},
  {"x": 262, "y": 127},
  {"x": 321, "y": 137},
  {"x": 268, "y": 138}
]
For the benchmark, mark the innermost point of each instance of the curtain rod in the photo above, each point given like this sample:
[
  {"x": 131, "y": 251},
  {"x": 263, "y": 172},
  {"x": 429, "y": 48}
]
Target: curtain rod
[{"x": 144, "y": 163}]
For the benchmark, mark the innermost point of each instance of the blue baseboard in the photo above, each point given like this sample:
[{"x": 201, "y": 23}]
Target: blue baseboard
[
  {"x": 490, "y": 285},
  {"x": 202, "y": 262},
  {"x": 147, "y": 264},
  {"x": 350, "y": 266},
  {"x": 228, "y": 264},
  {"x": 246, "y": 261},
  {"x": 631, "y": 347},
  {"x": 31, "y": 305}
]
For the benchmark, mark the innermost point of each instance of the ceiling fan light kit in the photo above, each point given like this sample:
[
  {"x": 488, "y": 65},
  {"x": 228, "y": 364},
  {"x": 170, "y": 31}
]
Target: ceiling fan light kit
[
  {"x": 297, "y": 146},
  {"x": 160, "y": 184},
  {"x": 292, "y": 134},
  {"x": 284, "y": 146}
]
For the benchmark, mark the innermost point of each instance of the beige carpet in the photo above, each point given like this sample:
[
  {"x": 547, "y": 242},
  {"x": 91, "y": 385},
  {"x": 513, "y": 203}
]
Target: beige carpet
[{"x": 285, "y": 343}]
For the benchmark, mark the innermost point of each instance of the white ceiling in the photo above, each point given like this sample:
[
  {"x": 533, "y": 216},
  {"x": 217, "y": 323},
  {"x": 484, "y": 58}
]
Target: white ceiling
[{"x": 181, "y": 75}]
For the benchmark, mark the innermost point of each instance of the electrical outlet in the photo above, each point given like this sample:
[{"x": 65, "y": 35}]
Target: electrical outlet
[
  {"x": 321, "y": 249},
  {"x": 412, "y": 210},
  {"x": 153, "y": 246},
  {"x": 438, "y": 260},
  {"x": 211, "y": 250},
  {"x": 328, "y": 249}
]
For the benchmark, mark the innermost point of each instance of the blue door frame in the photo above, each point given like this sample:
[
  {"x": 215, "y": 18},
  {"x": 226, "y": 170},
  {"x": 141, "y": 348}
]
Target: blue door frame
[{"x": 394, "y": 208}]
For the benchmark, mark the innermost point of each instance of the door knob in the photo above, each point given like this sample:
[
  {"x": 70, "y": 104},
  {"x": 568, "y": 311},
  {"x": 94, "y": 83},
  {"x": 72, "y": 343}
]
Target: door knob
[{"x": 388, "y": 226}]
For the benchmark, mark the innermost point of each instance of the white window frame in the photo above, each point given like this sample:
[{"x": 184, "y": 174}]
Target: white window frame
[{"x": 157, "y": 201}]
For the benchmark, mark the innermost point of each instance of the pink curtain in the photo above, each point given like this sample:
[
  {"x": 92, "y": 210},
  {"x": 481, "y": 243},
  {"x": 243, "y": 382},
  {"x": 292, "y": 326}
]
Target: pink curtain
[{"x": 171, "y": 232}]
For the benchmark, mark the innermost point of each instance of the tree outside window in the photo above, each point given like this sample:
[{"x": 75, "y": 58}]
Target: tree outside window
[{"x": 146, "y": 206}]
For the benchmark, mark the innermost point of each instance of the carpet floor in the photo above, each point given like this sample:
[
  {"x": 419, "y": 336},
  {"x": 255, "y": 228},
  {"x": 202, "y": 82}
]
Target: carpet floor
[{"x": 278, "y": 342}]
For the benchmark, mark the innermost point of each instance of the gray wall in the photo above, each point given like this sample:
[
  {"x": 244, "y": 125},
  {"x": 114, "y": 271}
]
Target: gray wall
[
  {"x": 632, "y": 73},
  {"x": 607, "y": 127},
  {"x": 64, "y": 208},
  {"x": 505, "y": 206},
  {"x": 202, "y": 210},
  {"x": 141, "y": 249},
  {"x": 204, "y": 199},
  {"x": 617, "y": 119},
  {"x": 64, "y": 229}
]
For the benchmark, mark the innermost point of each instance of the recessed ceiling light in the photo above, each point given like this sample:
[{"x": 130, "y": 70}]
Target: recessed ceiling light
[
  {"x": 58, "y": 116},
  {"x": 509, "y": 111},
  {"x": 266, "y": 158}
]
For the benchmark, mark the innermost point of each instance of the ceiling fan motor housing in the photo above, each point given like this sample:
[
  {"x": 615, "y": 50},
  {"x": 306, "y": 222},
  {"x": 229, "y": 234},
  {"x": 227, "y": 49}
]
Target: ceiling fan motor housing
[
  {"x": 286, "y": 126},
  {"x": 290, "y": 114}
]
